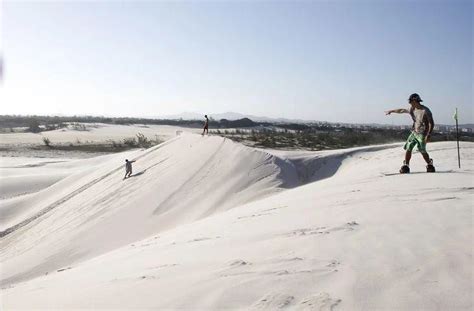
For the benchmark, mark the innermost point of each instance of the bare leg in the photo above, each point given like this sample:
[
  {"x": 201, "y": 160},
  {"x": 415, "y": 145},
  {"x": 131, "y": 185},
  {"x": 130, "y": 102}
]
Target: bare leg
[
  {"x": 426, "y": 157},
  {"x": 407, "y": 157}
]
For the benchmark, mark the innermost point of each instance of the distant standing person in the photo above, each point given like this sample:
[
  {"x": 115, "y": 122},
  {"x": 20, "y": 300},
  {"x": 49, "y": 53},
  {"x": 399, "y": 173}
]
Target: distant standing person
[
  {"x": 423, "y": 124},
  {"x": 206, "y": 126},
  {"x": 128, "y": 168}
]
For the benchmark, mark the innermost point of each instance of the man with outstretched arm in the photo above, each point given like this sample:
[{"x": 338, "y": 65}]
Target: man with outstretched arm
[
  {"x": 423, "y": 125},
  {"x": 128, "y": 168}
]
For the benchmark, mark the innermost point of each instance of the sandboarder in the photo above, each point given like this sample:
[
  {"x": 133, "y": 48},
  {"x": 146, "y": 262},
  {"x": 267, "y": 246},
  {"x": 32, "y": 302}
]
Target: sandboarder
[
  {"x": 128, "y": 168},
  {"x": 423, "y": 124},
  {"x": 206, "y": 126}
]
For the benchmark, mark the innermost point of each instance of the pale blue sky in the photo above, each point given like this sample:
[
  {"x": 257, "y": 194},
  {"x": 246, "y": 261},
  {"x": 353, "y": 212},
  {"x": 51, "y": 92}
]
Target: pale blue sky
[{"x": 322, "y": 60}]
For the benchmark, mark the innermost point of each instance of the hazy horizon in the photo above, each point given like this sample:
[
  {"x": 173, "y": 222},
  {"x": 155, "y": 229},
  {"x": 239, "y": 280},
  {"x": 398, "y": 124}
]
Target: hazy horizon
[
  {"x": 218, "y": 116},
  {"x": 310, "y": 60}
]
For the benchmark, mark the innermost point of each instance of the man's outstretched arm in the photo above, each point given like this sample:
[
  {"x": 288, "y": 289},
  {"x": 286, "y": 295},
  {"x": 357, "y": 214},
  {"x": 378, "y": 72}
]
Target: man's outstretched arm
[{"x": 401, "y": 110}]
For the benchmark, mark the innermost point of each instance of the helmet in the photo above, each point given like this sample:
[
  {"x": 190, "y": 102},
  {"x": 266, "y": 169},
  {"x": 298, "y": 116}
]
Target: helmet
[{"x": 415, "y": 97}]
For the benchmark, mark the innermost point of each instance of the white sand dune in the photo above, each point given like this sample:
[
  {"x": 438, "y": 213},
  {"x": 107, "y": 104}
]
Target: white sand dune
[
  {"x": 205, "y": 224},
  {"x": 95, "y": 133}
]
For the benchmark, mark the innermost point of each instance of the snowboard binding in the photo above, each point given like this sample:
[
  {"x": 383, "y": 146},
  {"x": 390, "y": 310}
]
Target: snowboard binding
[
  {"x": 405, "y": 169},
  {"x": 430, "y": 168}
]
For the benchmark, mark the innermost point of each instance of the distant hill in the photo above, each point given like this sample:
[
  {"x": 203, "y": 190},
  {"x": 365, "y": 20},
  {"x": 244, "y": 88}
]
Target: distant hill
[{"x": 230, "y": 116}]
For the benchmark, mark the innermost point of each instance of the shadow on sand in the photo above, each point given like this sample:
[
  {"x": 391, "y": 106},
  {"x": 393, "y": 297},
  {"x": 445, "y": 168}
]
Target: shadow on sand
[
  {"x": 137, "y": 174},
  {"x": 411, "y": 173}
]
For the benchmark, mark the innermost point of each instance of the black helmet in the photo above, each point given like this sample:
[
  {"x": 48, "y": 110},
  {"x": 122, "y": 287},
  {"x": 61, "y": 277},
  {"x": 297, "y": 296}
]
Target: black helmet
[{"x": 415, "y": 97}]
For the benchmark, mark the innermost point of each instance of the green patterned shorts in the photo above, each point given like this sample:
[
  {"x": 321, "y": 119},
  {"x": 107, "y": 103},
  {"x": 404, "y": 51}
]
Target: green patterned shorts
[{"x": 417, "y": 140}]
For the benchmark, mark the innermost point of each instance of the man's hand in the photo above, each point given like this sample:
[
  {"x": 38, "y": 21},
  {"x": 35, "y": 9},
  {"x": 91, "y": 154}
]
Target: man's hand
[
  {"x": 427, "y": 139},
  {"x": 388, "y": 112}
]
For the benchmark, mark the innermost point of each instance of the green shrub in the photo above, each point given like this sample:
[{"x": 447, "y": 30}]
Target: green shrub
[
  {"x": 47, "y": 141},
  {"x": 142, "y": 141},
  {"x": 131, "y": 142}
]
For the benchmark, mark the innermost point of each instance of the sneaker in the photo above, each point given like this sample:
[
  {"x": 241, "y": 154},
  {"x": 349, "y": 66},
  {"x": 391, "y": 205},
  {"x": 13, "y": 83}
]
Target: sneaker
[
  {"x": 405, "y": 169},
  {"x": 430, "y": 167}
]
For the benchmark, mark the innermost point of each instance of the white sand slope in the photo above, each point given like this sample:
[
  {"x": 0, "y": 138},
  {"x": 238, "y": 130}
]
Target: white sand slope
[
  {"x": 96, "y": 210},
  {"x": 204, "y": 225}
]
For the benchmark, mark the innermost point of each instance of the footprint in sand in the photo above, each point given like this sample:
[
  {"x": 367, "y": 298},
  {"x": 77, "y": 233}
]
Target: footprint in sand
[
  {"x": 238, "y": 263},
  {"x": 234, "y": 266},
  {"x": 254, "y": 215},
  {"x": 294, "y": 259},
  {"x": 350, "y": 226},
  {"x": 274, "y": 208},
  {"x": 307, "y": 231},
  {"x": 273, "y": 302},
  {"x": 333, "y": 263},
  {"x": 443, "y": 199},
  {"x": 320, "y": 302},
  {"x": 203, "y": 239},
  {"x": 64, "y": 269},
  {"x": 285, "y": 267},
  {"x": 148, "y": 243},
  {"x": 135, "y": 278},
  {"x": 148, "y": 277}
]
